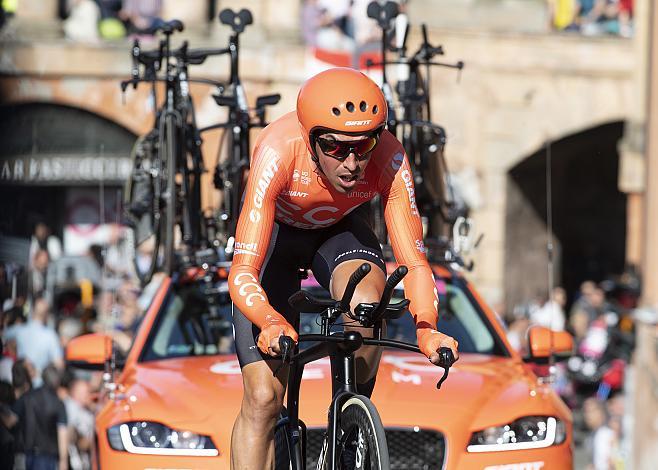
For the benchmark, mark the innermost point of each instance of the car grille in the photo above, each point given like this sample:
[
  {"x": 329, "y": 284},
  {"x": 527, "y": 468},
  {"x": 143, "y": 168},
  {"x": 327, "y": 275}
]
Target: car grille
[{"x": 407, "y": 449}]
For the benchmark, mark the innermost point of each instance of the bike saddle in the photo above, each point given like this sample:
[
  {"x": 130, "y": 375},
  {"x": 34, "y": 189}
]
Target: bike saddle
[
  {"x": 383, "y": 13},
  {"x": 237, "y": 21}
]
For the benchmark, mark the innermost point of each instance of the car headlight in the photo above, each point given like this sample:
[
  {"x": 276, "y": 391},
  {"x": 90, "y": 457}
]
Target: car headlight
[
  {"x": 147, "y": 437},
  {"x": 529, "y": 432}
]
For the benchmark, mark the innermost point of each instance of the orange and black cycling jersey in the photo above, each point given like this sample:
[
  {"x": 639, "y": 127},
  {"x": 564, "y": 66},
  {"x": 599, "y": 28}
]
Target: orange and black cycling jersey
[{"x": 285, "y": 185}]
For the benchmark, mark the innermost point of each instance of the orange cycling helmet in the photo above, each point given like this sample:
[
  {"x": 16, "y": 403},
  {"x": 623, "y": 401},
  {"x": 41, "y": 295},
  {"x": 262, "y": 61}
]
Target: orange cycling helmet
[{"x": 340, "y": 100}]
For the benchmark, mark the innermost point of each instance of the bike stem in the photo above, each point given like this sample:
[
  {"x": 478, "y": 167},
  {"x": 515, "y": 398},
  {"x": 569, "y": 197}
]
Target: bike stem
[{"x": 340, "y": 350}]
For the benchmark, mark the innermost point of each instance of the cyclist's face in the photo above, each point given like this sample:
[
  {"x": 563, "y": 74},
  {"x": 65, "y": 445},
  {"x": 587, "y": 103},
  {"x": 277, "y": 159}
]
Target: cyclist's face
[{"x": 343, "y": 170}]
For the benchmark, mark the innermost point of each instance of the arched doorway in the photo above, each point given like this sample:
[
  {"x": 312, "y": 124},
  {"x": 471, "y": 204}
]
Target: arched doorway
[
  {"x": 589, "y": 215},
  {"x": 51, "y": 158}
]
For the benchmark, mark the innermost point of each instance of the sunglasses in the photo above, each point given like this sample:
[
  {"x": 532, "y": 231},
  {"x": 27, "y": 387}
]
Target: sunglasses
[{"x": 341, "y": 149}]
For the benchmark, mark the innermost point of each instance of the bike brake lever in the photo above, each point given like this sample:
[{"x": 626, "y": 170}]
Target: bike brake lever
[
  {"x": 286, "y": 344},
  {"x": 446, "y": 371},
  {"x": 446, "y": 360}
]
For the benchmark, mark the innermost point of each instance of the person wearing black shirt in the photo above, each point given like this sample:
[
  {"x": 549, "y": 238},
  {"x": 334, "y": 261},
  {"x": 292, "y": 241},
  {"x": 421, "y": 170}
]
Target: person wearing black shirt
[{"x": 42, "y": 421}]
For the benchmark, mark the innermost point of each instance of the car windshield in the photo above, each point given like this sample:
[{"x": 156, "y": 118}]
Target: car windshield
[
  {"x": 459, "y": 316},
  {"x": 192, "y": 322},
  {"x": 195, "y": 323}
]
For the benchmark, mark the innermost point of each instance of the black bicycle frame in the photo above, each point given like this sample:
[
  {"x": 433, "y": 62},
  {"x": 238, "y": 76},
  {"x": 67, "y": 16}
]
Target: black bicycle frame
[{"x": 340, "y": 348}]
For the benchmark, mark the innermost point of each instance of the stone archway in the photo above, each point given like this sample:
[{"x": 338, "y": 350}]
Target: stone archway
[
  {"x": 589, "y": 214},
  {"x": 48, "y": 152}
]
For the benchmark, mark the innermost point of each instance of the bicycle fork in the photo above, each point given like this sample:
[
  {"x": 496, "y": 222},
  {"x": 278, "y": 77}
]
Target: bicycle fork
[{"x": 341, "y": 352}]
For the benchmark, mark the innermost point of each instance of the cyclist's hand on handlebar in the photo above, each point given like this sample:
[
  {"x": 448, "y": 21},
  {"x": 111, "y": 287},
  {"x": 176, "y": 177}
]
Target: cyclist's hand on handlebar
[
  {"x": 430, "y": 341},
  {"x": 268, "y": 339}
]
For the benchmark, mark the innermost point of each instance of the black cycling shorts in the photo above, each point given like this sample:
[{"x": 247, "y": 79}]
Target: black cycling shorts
[{"x": 292, "y": 249}]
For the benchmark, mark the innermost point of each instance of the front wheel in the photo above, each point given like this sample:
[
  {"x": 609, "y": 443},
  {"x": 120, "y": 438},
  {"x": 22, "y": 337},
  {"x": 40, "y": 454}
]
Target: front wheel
[{"x": 362, "y": 444}]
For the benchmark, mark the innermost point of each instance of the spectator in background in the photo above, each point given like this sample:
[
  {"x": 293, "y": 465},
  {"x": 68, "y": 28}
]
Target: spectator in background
[
  {"x": 81, "y": 424},
  {"x": 81, "y": 24},
  {"x": 7, "y": 360},
  {"x": 586, "y": 309},
  {"x": 314, "y": 18},
  {"x": 39, "y": 273},
  {"x": 326, "y": 25},
  {"x": 563, "y": 14},
  {"x": 22, "y": 376},
  {"x": 551, "y": 313},
  {"x": 36, "y": 341},
  {"x": 68, "y": 329},
  {"x": 140, "y": 14},
  {"x": 517, "y": 323},
  {"x": 625, "y": 18},
  {"x": 5, "y": 285},
  {"x": 7, "y": 422},
  {"x": 43, "y": 424},
  {"x": 117, "y": 253},
  {"x": 42, "y": 239}
]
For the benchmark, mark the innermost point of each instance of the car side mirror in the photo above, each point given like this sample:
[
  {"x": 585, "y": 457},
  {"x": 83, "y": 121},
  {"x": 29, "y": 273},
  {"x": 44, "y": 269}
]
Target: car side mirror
[
  {"x": 542, "y": 342},
  {"x": 90, "y": 351}
]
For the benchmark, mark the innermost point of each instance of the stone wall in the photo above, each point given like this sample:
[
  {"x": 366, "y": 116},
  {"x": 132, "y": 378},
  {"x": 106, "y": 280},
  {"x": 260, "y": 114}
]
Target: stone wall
[{"x": 518, "y": 91}]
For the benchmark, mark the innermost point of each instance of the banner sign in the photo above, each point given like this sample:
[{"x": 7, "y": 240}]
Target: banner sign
[{"x": 64, "y": 169}]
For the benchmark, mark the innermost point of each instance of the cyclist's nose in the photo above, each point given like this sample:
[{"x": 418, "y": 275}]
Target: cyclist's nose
[{"x": 351, "y": 162}]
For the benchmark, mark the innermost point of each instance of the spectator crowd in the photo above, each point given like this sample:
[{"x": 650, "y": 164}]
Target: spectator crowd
[
  {"x": 592, "y": 17},
  {"x": 46, "y": 409},
  {"x": 600, "y": 321},
  {"x": 92, "y": 20}
]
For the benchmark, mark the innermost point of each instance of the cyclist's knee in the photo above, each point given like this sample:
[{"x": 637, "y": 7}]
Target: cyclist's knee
[{"x": 261, "y": 402}]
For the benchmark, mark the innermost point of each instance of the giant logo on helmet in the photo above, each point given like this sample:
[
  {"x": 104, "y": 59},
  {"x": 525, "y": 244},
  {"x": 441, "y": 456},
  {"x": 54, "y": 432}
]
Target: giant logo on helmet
[{"x": 358, "y": 123}]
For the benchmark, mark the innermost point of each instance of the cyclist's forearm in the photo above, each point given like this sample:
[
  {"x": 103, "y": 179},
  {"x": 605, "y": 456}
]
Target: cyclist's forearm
[
  {"x": 421, "y": 290},
  {"x": 250, "y": 298}
]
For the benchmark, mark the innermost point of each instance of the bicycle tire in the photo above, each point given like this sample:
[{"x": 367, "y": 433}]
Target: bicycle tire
[
  {"x": 283, "y": 450},
  {"x": 281, "y": 445},
  {"x": 360, "y": 426},
  {"x": 145, "y": 221},
  {"x": 170, "y": 142}
]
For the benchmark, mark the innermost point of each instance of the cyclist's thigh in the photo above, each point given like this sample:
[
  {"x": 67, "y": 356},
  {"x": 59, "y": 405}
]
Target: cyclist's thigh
[
  {"x": 350, "y": 239},
  {"x": 289, "y": 250}
]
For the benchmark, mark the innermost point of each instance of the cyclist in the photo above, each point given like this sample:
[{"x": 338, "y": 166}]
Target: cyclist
[{"x": 312, "y": 173}]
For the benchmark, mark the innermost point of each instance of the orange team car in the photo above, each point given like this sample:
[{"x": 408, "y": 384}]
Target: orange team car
[{"x": 177, "y": 392}]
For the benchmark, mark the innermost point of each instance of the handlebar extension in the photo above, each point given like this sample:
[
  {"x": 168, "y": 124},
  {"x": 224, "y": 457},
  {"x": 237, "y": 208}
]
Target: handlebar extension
[
  {"x": 393, "y": 280},
  {"x": 356, "y": 277}
]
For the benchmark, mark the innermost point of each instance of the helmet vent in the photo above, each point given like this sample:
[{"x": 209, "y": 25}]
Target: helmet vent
[
  {"x": 375, "y": 109},
  {"x": 363, "y": 106},
  {"x": 350, "y": 106},
  {"x": 336, "y": 111}
]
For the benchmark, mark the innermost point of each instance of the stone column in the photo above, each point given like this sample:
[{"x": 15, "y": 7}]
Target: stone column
[{"x": 645, "y": 432}]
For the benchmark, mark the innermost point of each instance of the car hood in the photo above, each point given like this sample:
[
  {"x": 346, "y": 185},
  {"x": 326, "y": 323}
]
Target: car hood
[
  {"x": 480, "y": 391},
  {"x": 186, "y": 390}
]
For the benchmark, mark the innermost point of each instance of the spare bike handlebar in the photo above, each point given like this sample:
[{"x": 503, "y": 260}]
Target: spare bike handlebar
[
  {"x": 459, "y": 65},
  {"x": 159, "y": 25}
]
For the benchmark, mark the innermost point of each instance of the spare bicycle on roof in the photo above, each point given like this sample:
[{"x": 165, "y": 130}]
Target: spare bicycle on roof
[
  {"x": 448, "y": 230},
  {"x": 162, "y": 198}
]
